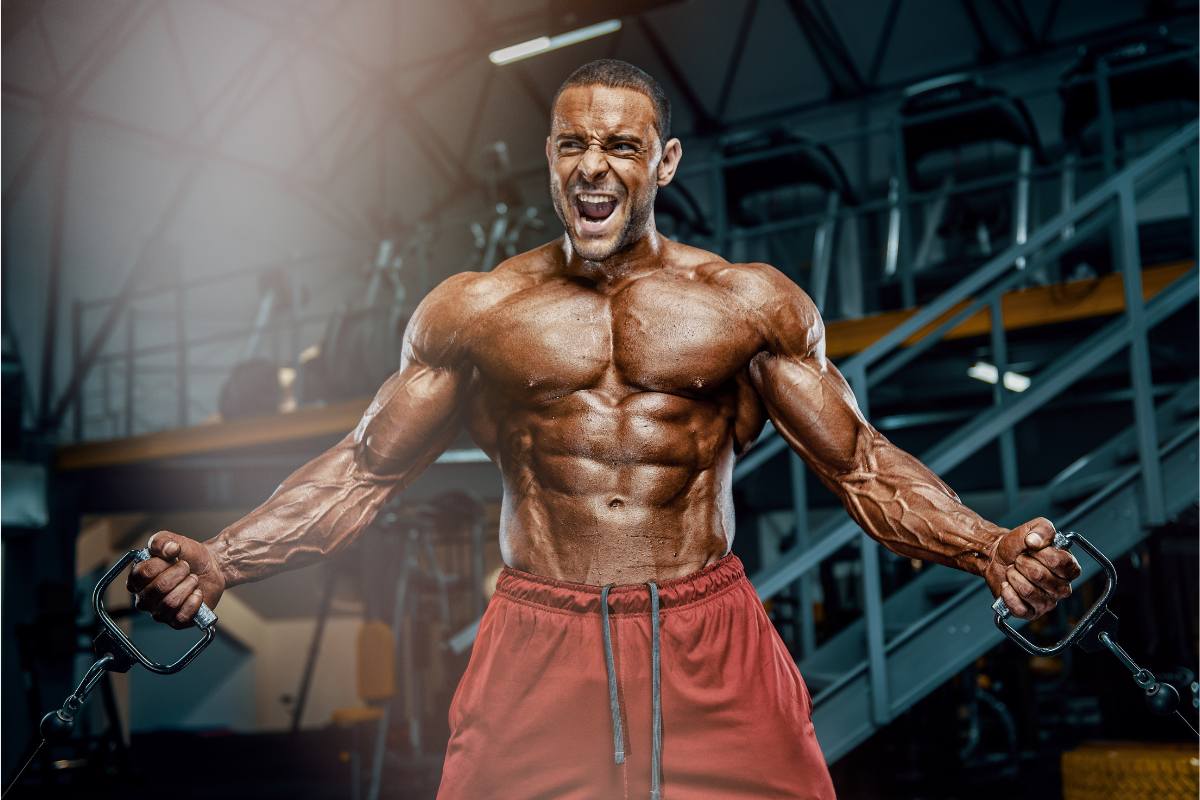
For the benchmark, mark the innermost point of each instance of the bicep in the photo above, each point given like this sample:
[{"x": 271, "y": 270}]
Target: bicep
[
  {"x": 416, "y": 413},
  {"x": 412, "y": 419},
  {"x": 814, "y": 409}
]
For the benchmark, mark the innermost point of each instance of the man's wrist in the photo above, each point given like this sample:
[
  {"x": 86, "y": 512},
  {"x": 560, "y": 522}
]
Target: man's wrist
[
  {"x": 218, "y": 548},
  {"x": 977, "y": 559},
  {"x": 973, "y": 561}
]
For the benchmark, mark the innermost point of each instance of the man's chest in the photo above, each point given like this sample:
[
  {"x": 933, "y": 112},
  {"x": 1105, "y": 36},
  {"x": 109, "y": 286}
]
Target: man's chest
[{"x": 654, "y": 335}]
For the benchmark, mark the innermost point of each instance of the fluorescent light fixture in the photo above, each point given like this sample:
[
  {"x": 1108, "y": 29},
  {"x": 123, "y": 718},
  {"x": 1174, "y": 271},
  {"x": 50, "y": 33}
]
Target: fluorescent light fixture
[
  {"x": 1016, "y": 382},
  {"x": 544, "y": 44},
  {"x": 1013, "y": 381}
]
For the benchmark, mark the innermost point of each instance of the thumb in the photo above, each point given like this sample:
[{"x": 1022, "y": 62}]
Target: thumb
[
  {"x": 1038, "y": 533},
  {"x": 1011, "y": 545},
  {"x": 170, "y": 546}
]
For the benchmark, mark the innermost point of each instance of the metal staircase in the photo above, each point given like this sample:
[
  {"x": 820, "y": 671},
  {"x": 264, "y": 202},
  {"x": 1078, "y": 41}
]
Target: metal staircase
[{"x": 907, "y": 644}]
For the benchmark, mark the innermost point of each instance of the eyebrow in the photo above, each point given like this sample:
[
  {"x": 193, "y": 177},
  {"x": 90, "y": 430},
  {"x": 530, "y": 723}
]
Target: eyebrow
[{"x": 620, "y": 136}]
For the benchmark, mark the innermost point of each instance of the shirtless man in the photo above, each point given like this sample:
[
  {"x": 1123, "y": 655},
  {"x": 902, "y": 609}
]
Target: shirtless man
[{"x": 614, "y": 376}]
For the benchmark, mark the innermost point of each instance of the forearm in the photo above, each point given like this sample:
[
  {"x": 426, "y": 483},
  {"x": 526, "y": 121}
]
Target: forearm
[
  {"x": 903, "y": 505},
  {"x": 319, "y": 509}
]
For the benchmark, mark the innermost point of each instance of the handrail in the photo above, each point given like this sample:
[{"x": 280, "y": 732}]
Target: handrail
[
  {"x": 988, "y": 282},
  {"x": 770, "y": 443},
  {"x": 709, "y": 165},
  {"x": 982, "y": 429}
]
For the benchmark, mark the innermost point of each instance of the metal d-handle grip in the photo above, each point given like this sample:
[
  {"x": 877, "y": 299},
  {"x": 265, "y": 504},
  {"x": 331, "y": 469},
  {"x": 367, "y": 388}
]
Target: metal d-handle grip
[
  {"x": 205, "y": 620},
  {"x": 1063, "y": 541}
]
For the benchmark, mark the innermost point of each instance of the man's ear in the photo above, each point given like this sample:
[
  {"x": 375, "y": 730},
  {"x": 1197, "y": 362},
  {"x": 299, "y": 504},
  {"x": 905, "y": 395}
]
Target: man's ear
[
  {"x": 672, "y": 152},
  {"x": 549, "y": 159}
]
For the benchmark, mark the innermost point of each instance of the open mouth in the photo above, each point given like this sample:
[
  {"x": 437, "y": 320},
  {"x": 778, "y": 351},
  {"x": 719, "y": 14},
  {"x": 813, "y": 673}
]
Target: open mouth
[{"x": 595, "y": 209}]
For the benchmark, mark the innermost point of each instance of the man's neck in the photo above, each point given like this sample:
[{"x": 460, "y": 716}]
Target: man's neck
[{"x": 644, "y": 255}]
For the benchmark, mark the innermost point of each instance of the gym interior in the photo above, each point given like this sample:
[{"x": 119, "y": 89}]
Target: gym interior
[{"x": 220, "y": 215}]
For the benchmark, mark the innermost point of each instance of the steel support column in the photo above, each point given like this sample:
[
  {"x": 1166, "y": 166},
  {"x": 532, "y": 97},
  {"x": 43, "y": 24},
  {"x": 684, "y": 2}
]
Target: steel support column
[
  {"x": 1007, "y": 439},
  {"x": 1139, "y": 357}
]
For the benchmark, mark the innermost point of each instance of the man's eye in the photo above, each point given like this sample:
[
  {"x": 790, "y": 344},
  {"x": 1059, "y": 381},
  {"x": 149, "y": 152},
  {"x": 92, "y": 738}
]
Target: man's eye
[
  {"x": 624, "y": 147},
  {"x": 569, "y": 147}
]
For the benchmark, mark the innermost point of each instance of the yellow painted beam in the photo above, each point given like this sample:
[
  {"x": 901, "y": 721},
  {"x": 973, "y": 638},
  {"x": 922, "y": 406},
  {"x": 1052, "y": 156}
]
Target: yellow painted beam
[
  {"x": 304, "y": 423},
  {"x": 1026, "y": 308}
]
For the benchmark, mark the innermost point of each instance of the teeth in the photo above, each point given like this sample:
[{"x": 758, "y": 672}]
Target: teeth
[{"x": 596, "y": 198}]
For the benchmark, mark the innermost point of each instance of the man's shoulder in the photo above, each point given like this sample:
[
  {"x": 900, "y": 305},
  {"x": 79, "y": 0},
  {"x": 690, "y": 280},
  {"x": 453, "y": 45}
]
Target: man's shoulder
[
  {"x": 783, "y": 312},
  {"x": 467, "y": 295},
  {"x": 756, "y": 285}
]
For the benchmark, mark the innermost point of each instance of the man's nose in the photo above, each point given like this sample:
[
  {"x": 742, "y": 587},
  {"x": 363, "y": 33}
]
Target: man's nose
[{"x": 594, "y": 164}]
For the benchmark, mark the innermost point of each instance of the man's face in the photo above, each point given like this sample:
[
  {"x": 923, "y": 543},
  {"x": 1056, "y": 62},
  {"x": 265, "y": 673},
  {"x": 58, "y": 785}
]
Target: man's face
[{"x": 606, "y": 164}]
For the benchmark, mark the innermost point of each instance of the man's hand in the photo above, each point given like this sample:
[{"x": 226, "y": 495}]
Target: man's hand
[
  {"x": 1028, "y": 571},
  {"x": 180, "y": 574}
]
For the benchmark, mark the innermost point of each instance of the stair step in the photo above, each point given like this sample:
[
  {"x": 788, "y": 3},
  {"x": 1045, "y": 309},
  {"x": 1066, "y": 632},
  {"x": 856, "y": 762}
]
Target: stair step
[
  {"x": 816, "y": 681},
  {"x": 948, "y": 584},
  {"x": 1084, "y": 485}
]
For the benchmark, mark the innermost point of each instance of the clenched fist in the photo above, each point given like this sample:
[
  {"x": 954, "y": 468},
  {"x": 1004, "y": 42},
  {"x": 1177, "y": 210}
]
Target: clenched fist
[
  {"x": 1028, "y": 572},
  {"x": 180, "y": 574}
]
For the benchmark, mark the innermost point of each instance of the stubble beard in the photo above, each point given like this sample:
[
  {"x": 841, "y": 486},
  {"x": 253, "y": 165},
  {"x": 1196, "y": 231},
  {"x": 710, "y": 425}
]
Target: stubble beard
[{"x": 635, "y": 223}]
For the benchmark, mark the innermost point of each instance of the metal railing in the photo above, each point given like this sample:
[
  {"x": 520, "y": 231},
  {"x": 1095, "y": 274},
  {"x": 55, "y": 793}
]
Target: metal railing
[
  {"x": 108, "y": 376},
  {"x": 1112, "y": 202}
]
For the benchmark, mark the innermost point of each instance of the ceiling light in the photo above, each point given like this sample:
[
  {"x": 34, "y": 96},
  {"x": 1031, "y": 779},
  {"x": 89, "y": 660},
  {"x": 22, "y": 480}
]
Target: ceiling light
[
  {"x": 1016, "y": 382},
  {"x": 1013, "y": 381},
  {"x": 544, "y": 44}
]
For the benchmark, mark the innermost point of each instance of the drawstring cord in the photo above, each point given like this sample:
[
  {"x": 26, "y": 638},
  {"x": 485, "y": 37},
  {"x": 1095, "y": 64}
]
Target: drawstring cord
[
  {"x": 614, "y": 706},
  {"x": 655, "y": 698},
  {"x": 655, "y": 691}
]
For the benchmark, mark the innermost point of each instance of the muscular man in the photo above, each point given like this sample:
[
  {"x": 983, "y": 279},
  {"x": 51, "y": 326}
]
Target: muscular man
[{"x": 614, "y": 376}]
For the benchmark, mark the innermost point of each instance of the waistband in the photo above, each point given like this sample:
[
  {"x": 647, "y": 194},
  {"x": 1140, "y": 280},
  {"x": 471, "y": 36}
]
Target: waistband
[{"x": 584, "y": 598}]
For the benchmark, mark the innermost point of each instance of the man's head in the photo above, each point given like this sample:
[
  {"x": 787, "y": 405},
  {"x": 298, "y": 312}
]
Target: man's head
[{"x": 609, "y": 152}]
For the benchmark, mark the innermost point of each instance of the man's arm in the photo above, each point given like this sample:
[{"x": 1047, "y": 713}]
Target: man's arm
[
  {"x": 895, "y": 498},
  {"x": 326, "y": 503}
]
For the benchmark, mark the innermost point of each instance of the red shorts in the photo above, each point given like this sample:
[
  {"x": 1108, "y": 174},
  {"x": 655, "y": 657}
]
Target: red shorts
[{"x": 532, "y": 716}]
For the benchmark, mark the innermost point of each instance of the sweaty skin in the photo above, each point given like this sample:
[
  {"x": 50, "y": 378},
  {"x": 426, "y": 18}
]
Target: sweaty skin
[{"x": 613, "y": 376}]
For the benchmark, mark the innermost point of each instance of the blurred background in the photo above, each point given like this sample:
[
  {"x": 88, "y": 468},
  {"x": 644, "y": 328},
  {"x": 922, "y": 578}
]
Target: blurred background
[{"x": 218, "y": 216}]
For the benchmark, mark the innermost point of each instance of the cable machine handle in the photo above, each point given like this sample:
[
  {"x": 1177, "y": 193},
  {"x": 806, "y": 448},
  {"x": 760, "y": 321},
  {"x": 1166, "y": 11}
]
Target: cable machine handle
[
  {"x": 205, "y": 620},
  {"x": 1063, "y": 541}
]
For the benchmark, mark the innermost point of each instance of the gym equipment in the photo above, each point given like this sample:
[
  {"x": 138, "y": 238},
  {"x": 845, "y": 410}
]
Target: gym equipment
[
  {"x": 393, "y": 687},
  {"x": 251, "y": 390},
  {"x": 498, "y": 239},
  {"x": 939, "y": 118},
  {"x": 1114, "y": 90},
  {"x": 1135, "y": 74},
  {"x": 772, "y": 189},
  {"x": 116, "y": 653},
  {"x": 678, "y": 214},
  {"x": 1128, "y": 770},
  {"x": 362, "y": 343},
  {"x": 253, "y": 387},
  {"x": 1096, "y": 631}
]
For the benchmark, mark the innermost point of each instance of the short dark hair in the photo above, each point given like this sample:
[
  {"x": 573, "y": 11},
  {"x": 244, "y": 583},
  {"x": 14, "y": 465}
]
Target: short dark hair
[{"x": 617, "y": 74}]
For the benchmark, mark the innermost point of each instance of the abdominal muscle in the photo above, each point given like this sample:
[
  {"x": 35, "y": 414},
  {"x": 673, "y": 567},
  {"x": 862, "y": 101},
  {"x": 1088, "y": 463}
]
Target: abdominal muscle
[{"x": 602, "y": 493}]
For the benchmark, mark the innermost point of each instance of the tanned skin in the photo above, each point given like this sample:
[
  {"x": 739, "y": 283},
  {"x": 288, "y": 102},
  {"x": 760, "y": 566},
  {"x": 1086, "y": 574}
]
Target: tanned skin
[{"x": 613, "y": 376}]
